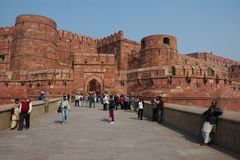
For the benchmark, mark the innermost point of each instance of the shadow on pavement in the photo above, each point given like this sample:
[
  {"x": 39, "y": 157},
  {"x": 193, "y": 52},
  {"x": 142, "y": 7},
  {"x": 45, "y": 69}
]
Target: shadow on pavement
[
  {"x": 105, "y": 120},
  {"x": 133, "y": 118},
  {"x": 58, "y": 121}
]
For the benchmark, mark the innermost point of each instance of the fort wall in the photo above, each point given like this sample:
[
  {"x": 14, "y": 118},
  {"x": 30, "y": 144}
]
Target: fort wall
[
  {"x": 189, "y": 120},
  {"x": 34, "y": 43},
  {"x": 6, "y": 37},
  {"x": 35, "y": 56}
]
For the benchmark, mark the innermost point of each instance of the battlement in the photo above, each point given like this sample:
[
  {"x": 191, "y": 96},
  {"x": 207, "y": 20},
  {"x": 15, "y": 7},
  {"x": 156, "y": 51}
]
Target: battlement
[
  {"x": 62, "y": 34},
  {"x": 110, "y": 39},
  {"x": 214, "y": 59},
  {"x": 9, "y": 30}
]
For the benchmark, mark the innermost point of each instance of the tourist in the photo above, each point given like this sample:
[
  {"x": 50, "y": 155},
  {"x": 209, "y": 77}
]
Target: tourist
[
  {"x": 210, "y": 120},
  {"x": 160, "y": 109},
  {"x": 69, "y": 98},
  {"x": 111, "y": 109},
  {"x": 65, "y": 107},
  {"x": 77, "y": 100},
  {"x": 126, "y": 102},
  {"x": 116, "y": 99},
  {"x": 15, "y": 114},
  {"x": 41, "y": 96},
  {"x": 155, "y": 107},
  {"x": 121, "y": 101},
  {"x": 91, "y": 100},
  {"x": 25, "y": 109},
  {"x": 80, "y": 99},
  {"x": 105, "y": 102},
  {"x": 140, "y": 105}
]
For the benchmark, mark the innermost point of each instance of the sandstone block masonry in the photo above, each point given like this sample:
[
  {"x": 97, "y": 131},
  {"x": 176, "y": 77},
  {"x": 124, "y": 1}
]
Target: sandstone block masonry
[{"x": 36, "y": 56}]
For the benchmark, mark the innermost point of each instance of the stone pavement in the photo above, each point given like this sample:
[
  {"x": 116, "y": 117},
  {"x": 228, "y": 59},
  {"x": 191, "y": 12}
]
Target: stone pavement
[{"x": 88, "y": 135}]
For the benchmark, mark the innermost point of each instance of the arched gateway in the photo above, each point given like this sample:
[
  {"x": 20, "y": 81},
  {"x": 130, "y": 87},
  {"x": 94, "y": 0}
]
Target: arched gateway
[{"x": 94, "y": 84}]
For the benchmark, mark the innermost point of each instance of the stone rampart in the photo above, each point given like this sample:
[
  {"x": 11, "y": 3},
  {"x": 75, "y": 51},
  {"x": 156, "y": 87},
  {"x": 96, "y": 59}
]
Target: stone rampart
[
  {"x": 39, "y": 108},
  {"x": 189, "y": 120}
]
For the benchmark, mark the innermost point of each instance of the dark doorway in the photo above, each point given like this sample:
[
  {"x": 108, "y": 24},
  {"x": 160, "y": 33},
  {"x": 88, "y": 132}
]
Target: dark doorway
[{"x": 94, "y": 86}]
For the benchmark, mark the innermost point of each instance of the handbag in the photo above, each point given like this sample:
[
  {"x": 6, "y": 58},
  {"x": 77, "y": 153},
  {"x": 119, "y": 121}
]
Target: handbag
[{"x": 59, "y": 110}]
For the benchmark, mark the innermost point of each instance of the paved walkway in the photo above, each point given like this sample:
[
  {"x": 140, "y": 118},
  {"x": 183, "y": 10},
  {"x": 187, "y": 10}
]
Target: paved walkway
[{"x": 89, "y": 136}]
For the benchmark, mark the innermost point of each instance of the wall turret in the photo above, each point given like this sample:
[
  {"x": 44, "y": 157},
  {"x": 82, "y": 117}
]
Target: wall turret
[
  {"x": 34, "y": 43},
  {"x": 157, "y": 50}
]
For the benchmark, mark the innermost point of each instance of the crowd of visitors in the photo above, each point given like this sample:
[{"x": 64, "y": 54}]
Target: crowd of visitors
[{"x": 21, "y": 110}]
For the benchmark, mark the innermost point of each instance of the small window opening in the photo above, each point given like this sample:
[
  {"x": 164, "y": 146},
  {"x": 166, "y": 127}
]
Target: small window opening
[{"x": 166, "y": 40}]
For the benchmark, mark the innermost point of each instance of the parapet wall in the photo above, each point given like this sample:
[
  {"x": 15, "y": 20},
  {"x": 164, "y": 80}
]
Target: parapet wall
[
  {"x": 110, "y": 39},
  {"x": 213, "y": 59},
  {"x": 190, "y": 120},
  {"x": 17, "y": 84},
  {"x": 39, "y": 108},
  {"x": 72, "y": 42}
]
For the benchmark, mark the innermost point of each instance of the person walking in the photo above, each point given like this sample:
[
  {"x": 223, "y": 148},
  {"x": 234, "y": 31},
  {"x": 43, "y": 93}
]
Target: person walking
[
  {"x": 140, "y": 108},
  {"x": 80, "y": 99},
  {"x": 211, "y": 117},
  {"x": 15, "y": 114},
  {"x": 25, "y": 109},
  {"x": 116, "y": 99},
  {"x": 105, "y": 102},
  {"x": 121, "y": 101},
  {"x": 77, "y": 100},
  {"x": 65, "y": 107},
  {"x": 111, "y": 109},
  {"x": 91, "y": 100}
]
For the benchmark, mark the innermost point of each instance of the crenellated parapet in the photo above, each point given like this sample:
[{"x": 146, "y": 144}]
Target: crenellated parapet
[
  {"x": 6, "y": 38},
  {"x": 72, "y": 42},
  {"x": 213, "y": 59},
  {"x": 7, "y": 31},
  {"x": 110, "y": 39}
]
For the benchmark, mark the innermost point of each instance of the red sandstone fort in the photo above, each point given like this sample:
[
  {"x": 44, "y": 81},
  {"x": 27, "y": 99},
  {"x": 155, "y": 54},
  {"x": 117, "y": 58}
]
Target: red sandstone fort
[{"x": 35, "y": 56}]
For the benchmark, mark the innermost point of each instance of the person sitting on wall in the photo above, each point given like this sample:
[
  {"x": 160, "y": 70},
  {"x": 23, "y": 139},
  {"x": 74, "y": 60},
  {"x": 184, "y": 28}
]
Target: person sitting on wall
[
  {"x": 15, "y": 114},
  {"x": 210, "y": 120},
  {"x": 41, "y": 96}
]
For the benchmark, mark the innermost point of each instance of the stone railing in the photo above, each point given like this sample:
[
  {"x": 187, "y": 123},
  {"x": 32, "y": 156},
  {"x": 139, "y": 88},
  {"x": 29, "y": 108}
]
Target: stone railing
[
  {"x": 189, "y": 119},
  {"x": 39, "y": 108}
]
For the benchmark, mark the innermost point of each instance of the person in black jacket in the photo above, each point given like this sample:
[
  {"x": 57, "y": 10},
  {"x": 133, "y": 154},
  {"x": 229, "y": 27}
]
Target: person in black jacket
[{"x": 211, "y": 116}]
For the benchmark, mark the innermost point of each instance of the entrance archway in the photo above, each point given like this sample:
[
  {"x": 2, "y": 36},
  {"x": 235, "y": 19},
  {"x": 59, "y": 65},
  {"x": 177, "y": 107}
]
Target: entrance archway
[
  {"x": 93, "y": 83},
  {"x": 94, "y": 86}
]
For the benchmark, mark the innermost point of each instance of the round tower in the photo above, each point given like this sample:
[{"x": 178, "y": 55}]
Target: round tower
[
  {"x": 34, "y": 43},
  {"x": 158, "y": 50}
]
